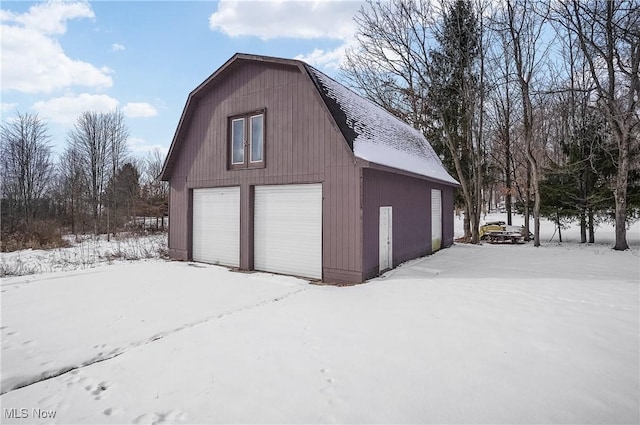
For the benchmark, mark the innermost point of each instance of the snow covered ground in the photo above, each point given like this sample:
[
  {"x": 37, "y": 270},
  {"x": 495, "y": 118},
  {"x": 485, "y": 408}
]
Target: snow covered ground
[
  {"x": 89, "y": 252},
  {"x": 472, "y": 334}
]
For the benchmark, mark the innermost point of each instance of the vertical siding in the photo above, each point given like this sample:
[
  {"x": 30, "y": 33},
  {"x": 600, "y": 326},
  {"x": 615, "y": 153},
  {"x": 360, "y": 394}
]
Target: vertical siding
[
  {"x": 301, "y": 146},
  {"x": 447, "y": 215},
  {"x": 411, "y": 201},
  {"x": 178, "y": 199}
]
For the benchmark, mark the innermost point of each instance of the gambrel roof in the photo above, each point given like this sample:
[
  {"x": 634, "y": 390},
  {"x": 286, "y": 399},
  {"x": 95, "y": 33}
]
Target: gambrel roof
[{"x": 372, "y": 133}]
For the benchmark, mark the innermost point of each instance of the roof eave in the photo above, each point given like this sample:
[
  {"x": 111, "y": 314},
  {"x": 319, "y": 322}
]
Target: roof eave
[{"x": 381, "y": 167}]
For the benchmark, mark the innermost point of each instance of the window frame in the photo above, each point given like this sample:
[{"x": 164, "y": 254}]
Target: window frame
[
  {"x": 250, "y": 126},
  {"x": 232, "y": 140},
  {"x": 248, "y": 161}
]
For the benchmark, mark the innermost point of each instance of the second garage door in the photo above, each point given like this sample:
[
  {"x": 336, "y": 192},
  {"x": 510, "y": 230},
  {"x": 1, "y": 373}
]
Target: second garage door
[
  {"x": 436, "y": 220},
  {"x": 216, "y": 225},
  {"x": 288, "y": 229}
]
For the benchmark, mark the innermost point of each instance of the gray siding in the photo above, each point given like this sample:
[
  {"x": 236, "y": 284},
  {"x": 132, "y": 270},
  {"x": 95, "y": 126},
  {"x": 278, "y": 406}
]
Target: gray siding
[
  {"x": 302, "y": 146},
  {"x": 178, "y": 235},
  {"x": 447, "y": 214},
  {"x": 411, "y": 201}
]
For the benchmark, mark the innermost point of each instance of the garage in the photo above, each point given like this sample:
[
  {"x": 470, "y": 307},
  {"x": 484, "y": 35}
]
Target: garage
[
  {"x": 216, "y": 225},
  {"x": 288, "y": 229}
]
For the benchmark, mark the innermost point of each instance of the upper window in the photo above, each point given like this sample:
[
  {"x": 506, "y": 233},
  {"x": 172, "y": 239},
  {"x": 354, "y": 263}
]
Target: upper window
[{"x": 246, "y": 140}]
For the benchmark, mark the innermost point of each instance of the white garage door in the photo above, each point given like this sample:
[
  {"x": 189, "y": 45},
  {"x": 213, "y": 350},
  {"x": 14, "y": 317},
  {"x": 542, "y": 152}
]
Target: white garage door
[
  {"x": 288, "y": 229},
  {"x": 436, "y": 220},
  {"x": 216, "y": 225}
]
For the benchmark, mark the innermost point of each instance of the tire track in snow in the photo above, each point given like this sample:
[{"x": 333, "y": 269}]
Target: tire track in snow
[{"x": 44, "y": 376}]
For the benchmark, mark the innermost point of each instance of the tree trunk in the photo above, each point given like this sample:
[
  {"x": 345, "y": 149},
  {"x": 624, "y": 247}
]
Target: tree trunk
[
  {"x": 466, "y": 193},
  {"x": 620, "y": 194},
  {"x": 583, "y": 227},
  {"x": 95, "y": 218},
  {"x": 73, "y": 218},
  {"x": 507, "y": 199},
  {"x": 592, "y": 236},
  {"x": 527, "y": 200},
  {"x": 467, "y": 224},
  {"x": 536, "y": 204},
  {"x": 559, "y": 226}
]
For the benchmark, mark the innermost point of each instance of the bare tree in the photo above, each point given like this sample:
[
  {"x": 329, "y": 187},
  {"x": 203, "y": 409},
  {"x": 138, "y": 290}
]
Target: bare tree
[
  {"x": 93, "y": 138},
  {"x": 524, "y": 23},
  {"x": 26, "y": 165},
  {"x": 73, "y": 187},
  {"x": 116, "y": 133},
  {"x": 157, "y": 191},
  {"x": 388, "y": 64},
  {"x": 608, "y": 34},
  {"x": 503, "y": 111}
]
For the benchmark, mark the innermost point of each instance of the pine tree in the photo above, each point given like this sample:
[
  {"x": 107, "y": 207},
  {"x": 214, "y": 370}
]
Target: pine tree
[{"x": 453, "y": 96}]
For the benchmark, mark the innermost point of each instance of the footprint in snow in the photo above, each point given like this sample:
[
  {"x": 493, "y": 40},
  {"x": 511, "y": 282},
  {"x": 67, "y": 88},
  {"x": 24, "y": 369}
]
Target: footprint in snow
[
  {"x": 98, "y": 390},
  {"x": 329, "y": 391},
  {"x": 113, "y": 411},
  {"x": 329, "y": 381},
  {"x": 170, "y": 417}
]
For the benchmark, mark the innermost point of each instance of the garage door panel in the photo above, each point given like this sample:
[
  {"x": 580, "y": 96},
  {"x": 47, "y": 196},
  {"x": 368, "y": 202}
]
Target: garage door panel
[
  {"x": 288, "y": 229},
  {"x": 436, "y": 220},
  {"x": 216, "y": 226}
]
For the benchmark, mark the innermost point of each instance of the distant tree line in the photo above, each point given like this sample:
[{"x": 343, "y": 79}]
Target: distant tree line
[
  {"x": 95, "y": 186},
  {"x": 533, "y": 105}
]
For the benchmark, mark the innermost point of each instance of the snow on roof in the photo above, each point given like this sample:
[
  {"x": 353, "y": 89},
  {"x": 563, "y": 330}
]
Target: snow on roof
[{"x": 376, "y": 135}]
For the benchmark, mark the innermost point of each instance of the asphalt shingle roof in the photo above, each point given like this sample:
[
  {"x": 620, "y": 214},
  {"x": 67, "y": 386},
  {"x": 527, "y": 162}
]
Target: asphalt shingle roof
[{"x": 375, "y": 135}]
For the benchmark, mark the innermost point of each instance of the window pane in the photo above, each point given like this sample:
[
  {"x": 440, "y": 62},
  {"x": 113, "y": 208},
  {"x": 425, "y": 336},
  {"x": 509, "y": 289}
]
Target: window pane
[
  {"x": 257, "y": 138},
  {"x": 237, "y": 141}
]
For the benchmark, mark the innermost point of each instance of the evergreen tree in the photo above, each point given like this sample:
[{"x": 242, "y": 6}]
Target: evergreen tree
[{"x": 453, "y": 96}]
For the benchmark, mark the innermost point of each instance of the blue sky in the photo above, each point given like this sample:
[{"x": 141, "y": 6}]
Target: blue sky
[{"x": 144, "y": 57}]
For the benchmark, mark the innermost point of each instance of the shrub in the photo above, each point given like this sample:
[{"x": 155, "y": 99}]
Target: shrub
[{"x": 43, "y": 234}]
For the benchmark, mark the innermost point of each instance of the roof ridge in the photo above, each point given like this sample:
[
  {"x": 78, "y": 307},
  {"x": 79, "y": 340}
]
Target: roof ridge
[{"x": 398, "y": 119}]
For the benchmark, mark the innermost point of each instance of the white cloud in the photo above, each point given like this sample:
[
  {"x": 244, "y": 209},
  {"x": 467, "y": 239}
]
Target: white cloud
[
  {"x": 66, "y": 109},
  {"x": 139, "y": 110},
  {"x": 291, "y": 19},
  {"x": 32, "y": 59},
  {"x": 51, "y": 17},
  {"x": 138, "y": 145},
  {"x": 326, "y": 59},
  {"x": 6, "y": 107},
  {"x": 117, "y": 47}
]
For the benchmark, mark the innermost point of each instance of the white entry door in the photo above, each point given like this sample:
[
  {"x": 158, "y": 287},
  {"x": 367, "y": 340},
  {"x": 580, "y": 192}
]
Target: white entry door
[
  {"x": 287, "y": 229},
  {"x": 216, "y": 226},
  {"x": 436, "y": 220},
  {"x": 386, "y": 238}
]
